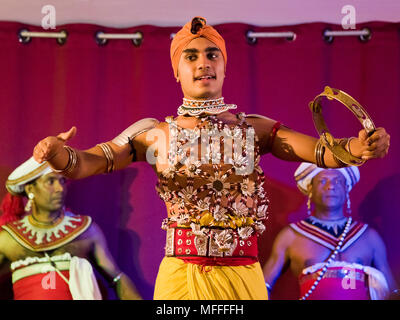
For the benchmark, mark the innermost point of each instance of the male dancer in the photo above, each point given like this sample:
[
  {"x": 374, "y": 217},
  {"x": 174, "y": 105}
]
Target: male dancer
[
  {"x": 333, "y": 256},
  {"x": 50, "y": 248},
  {"x": 216, "y": 203}
]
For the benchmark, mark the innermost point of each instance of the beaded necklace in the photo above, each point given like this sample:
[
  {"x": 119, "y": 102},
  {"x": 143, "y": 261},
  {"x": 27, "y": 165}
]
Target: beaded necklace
[{"x": 196, "y": 107}]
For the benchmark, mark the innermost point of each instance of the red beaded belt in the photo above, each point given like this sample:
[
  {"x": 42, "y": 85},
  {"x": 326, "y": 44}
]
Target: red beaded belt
[{"x": 203, "y": 249}]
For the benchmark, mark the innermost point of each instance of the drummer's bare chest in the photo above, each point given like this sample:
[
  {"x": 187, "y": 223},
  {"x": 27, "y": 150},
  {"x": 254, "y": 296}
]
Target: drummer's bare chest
[{"x": 304, "y": 252}]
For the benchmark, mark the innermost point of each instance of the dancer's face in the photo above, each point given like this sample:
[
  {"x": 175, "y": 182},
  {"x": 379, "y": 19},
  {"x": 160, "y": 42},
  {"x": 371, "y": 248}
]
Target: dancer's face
[
  {"x": 329, "y": 189},
  {"x": 201, "y": 70}
]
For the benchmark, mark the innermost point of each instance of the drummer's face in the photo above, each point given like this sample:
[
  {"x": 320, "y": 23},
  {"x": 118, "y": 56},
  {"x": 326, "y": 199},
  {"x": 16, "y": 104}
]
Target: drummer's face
[
  {"x": 49, "y": 192},
  {"x": 329, "y": 190}
]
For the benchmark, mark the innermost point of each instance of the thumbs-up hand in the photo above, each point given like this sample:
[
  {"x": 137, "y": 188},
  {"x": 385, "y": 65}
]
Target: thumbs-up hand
[
  {"x": 50, "y": 146},
  {"x": 65, "y": 136}
]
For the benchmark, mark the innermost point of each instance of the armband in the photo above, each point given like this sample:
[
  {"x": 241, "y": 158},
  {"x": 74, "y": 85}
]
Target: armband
[
  {"x": 274, "y": 130},
  {"x": 134, "y": 130}
]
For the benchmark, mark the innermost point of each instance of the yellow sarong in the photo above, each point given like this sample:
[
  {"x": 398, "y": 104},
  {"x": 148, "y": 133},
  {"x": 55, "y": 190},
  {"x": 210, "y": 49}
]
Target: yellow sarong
[{"x": 177, "y": 280}]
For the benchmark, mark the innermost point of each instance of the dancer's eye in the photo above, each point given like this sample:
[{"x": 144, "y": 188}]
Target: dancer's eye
[
  {"x": 212, "y": 56},
  {"x": 191, "y": 57}
]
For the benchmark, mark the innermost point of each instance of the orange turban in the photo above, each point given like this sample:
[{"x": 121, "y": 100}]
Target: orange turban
[{"x": 194, "y": 29}]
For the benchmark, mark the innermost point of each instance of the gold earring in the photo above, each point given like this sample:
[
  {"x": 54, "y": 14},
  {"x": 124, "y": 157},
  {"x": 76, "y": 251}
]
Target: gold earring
[{"x": 29, "y": 204}]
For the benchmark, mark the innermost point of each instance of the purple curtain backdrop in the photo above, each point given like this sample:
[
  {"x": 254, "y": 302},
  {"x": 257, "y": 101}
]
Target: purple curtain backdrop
[{"x": 45, "y": 88}]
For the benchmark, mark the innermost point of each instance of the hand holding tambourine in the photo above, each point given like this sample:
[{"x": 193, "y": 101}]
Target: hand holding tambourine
[
  {"x": 375, "y": 145},
  {"x": 371, "y": 143}
]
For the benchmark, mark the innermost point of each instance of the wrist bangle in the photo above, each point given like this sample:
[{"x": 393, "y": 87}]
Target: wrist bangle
[
  {"x": 347, "y": 146},
  {"x": 269, "y": 288},
  {"x": 117, "y": 278},
  {"x": 319, "y": 154},
  {"x": 342, "y": 142},
  {"x": 72, "y": 161},
  {"x": 114, "y": 281}
]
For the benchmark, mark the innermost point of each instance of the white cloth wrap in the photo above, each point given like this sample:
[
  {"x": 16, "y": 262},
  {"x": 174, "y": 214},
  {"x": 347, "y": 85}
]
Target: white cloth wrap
[
  {"x": 134, "y": 130},
  {"x": 82, "y": 281},
  {"x": 377, "y": 284},
  {"x": 32, "y": 260}
]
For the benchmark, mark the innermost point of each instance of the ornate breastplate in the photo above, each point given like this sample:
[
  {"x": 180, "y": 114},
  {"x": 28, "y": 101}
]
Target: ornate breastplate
[
  {"x": 37, "y": 238},
  {"x": 221, "y": 185}
]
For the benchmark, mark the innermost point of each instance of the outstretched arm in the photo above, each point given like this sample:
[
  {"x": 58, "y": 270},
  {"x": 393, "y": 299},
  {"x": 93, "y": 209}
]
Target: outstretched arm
[
  {"x": 116, "y": 154},
  {"x": 290, "y": 145},
  {"x": 124, "y": 287}
]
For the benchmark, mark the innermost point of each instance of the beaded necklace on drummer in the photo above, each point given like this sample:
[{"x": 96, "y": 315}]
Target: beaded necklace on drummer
[{"x": 324, "y": 269}]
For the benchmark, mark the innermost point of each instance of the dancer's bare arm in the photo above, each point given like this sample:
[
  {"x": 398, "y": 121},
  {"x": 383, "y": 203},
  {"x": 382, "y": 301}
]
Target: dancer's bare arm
[
  {"x": 128, "y": 146},
  {"x": 290, "y": 145}
]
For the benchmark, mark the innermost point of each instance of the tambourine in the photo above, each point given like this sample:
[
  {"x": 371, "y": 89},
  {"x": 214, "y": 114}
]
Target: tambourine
[{"x": 329, "y": 141}]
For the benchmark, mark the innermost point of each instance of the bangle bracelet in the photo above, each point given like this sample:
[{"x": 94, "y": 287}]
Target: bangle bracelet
[
  {"x": 319, "y": 154},
  {"x": 269, "y": 288},
  {"x": 117, "y": 278},
  {"x": 342, "y": 142},
  {"x": 109, "y": 156},
  {"x": 68, "y": 163},
  {"x": 272, "y": 135},
  {"x": 347, "y": 146},
  {"x": 72, "y": 161},
  {"x": 114, "y": 281}
]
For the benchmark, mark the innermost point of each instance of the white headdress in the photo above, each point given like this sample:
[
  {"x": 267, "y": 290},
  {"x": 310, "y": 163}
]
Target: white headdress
[
  {"x": 307, "y": 171},
  {"x": 26, "y": 172}
]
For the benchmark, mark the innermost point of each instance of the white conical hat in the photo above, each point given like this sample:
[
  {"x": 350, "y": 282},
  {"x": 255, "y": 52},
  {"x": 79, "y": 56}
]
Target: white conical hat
[{"x": 26, "y": 172}]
